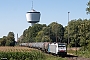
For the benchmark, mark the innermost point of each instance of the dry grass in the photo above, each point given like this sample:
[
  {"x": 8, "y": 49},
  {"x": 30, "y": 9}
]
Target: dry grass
[{"x": 14, "y": 49}]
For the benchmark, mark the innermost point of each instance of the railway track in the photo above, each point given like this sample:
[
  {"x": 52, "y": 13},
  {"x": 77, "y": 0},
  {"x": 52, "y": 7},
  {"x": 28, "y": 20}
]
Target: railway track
[
  {"x": 74, "y": 57},
  {"x": 77, "y": 58},
  {"x": 70, "y": 56}
]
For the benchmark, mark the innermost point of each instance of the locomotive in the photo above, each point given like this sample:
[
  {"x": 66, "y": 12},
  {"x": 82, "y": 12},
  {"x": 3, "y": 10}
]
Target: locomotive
[{"x": 54, "y": 48}]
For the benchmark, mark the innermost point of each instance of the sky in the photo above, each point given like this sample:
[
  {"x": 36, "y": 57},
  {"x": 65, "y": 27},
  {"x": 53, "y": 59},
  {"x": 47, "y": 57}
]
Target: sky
[{"x": 13, "y": 13}]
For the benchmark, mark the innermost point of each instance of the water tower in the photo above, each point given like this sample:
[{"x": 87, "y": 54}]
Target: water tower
[{"x": 33, "y": 16}]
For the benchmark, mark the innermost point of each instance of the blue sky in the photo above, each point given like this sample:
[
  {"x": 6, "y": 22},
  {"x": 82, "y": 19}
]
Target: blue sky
[{"x": 13, "y": 13}]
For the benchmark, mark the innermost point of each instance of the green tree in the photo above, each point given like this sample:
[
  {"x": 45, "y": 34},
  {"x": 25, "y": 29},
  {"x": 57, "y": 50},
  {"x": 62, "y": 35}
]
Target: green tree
[
  {"x": 78, "y": 32},
  {"x": 30, "y": 34},
  {"x": 44, "y": 35},
  {"x": 8, "y": 43},
  {"x": 39, "y": 36},
  {"x": 56, "y": 32},
  {"x": 46, "y": 39},
  {"x": 11, "y": 38},
  {"x": 3, "y": 41}
]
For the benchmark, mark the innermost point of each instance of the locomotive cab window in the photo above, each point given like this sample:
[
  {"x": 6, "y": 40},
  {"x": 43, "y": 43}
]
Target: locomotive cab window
[{"x": 61, "y": 45}]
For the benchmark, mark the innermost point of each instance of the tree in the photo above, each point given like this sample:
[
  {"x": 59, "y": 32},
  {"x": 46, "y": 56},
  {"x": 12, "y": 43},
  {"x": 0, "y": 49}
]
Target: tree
[
  {"x": 79, "y": 32},
  {"x": 11, "y": 39},
  {"x": 88, "y": 7},
  {"x": 10, "y": 34},
  {"x": 44, "y": 35},
  {"x": 30, "y": 34},
  {"x": 56, "y": 32},
  {"x": 8, "y": 43},
  {"x": 8, "y": 40},
  {"x": 39, "y": 36},
  {"x": 3, "y": 41},
  {"x": 46, "y": 39}
]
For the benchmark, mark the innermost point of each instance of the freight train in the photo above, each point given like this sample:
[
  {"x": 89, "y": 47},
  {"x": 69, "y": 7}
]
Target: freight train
[{"x": 54, "y": 48}]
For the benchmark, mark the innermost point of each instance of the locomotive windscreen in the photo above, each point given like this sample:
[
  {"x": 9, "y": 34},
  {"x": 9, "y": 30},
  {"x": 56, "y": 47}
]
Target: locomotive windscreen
[{"x": 61, "y": 45}]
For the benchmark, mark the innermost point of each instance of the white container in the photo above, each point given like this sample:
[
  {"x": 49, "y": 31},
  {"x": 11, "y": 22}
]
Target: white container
[{"x": 53, "y": 48}]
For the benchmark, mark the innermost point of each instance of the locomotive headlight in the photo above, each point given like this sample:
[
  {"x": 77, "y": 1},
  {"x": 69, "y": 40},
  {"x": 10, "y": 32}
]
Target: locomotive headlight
[{"x": 61, "y": 50}]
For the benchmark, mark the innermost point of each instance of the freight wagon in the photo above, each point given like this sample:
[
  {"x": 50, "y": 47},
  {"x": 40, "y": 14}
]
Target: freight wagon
[{"x": 54, "y": 48}]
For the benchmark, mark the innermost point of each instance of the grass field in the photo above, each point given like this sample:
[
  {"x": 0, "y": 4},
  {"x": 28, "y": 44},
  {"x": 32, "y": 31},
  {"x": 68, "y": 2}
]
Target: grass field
[
  {"x": 15, "y": 49},
  {"x": 25, "y": 53}
]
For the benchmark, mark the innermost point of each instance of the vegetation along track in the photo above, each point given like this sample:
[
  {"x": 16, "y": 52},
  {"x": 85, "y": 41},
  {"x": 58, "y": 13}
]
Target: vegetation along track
[
  {"x": 22, "y": 49},
  {"x": 77, "y": 58},
  {"x": 70, "y": 56},
  {"x": 74, "y": 57}
]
